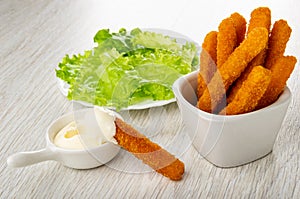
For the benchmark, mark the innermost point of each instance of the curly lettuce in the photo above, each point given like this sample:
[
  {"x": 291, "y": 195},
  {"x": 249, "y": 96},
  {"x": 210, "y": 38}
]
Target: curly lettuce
[{"x": 127, "y": 68}]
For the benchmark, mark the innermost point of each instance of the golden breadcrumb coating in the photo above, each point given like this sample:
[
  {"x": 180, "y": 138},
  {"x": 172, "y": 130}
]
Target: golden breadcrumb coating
[
  {"x": 250, "y": 93},
  {"x": 279, "y": 37},
  {"x": 208, "y": 57},
  {"x": 227, "y": 41},
  {"x": 239, "y": 23},
  {"x": 150, "y": 153},
  {"x": 236, "y": 63},
  {"x": 260, "y": 17},
  {"x": 281, "y": 71}
]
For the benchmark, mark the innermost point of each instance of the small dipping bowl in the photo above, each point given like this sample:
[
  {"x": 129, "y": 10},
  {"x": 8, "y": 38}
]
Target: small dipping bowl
[
  {"x": 229, "y": 141},
  {"x": 74, "y": 158}
]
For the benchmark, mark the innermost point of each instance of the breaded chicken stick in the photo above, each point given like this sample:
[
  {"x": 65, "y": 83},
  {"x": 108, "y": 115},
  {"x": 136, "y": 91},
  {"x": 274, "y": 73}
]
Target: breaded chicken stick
[
  {"x": 239, "y": 23},
  {"x": 208, "y": 58},
  {"x": 232, "y": 69},
  {"x": 150, "y": 153},
  {"x": 281, "y": 71},
  {"x": 260, "y": 17},
  {"x": 250, "y": 93},
  {"x": 227, "y": 40},
  {"x": 279, "y": 37}
]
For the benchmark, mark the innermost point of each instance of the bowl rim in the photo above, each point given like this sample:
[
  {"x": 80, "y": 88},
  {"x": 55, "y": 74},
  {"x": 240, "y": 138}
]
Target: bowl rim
[{"x": 183, "y": 81}]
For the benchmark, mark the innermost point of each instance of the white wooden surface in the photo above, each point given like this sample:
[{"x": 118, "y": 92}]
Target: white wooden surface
[{"x": 35, "y": 35}]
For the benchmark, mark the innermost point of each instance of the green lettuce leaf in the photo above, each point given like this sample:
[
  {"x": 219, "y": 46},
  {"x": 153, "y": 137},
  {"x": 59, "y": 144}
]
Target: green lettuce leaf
[
  {"x": 69, "y": 67},
  {"x": 127, "y": 68}
]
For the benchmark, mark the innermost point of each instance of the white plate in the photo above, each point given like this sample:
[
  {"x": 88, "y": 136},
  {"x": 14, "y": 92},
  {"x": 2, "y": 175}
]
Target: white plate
[{"x": 182, "y": 39}]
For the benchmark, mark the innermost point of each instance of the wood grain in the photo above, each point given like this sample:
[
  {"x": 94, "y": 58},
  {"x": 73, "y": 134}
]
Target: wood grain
[{"x": 35, "y": 35}]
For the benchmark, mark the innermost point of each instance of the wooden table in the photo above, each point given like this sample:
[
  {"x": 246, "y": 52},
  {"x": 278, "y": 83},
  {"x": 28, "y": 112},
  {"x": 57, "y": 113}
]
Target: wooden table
[{"x": 35, "y": 35}]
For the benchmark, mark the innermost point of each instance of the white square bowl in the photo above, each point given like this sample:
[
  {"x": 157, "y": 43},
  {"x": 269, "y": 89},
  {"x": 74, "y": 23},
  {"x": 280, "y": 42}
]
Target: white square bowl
[{"x": 229, "y": 141}]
